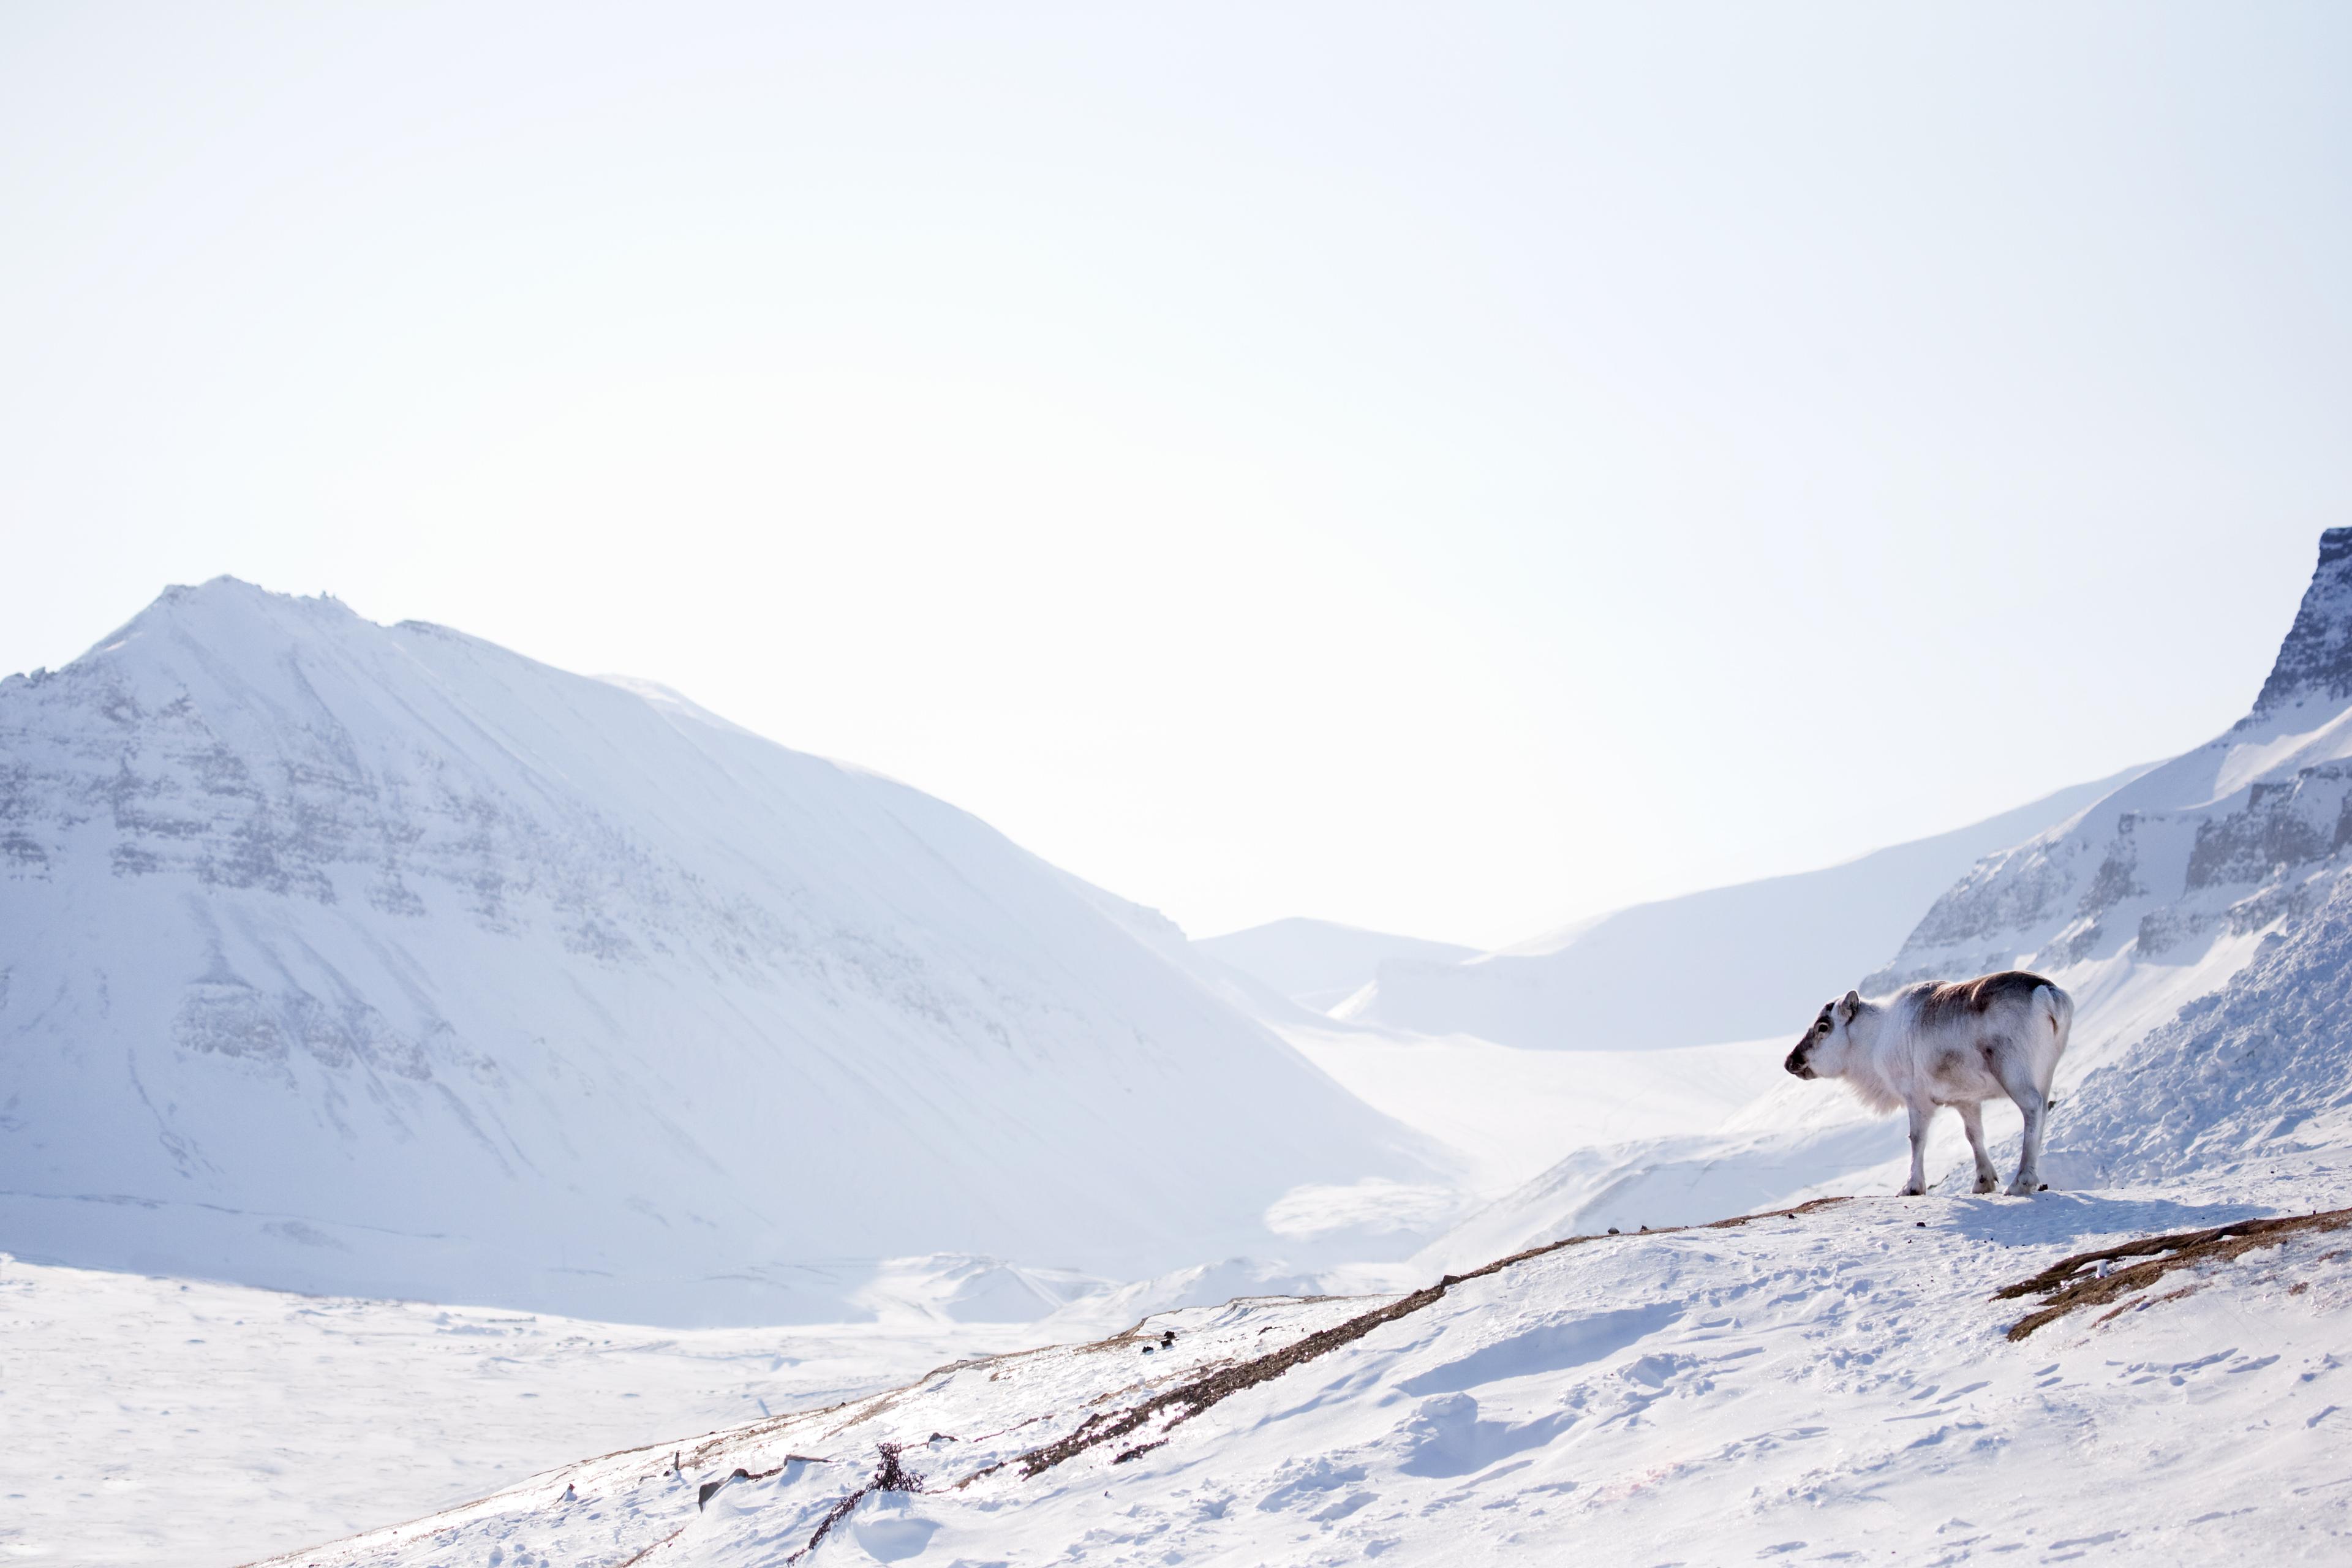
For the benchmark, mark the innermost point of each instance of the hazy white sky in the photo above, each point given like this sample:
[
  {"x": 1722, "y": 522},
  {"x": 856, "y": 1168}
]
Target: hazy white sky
[{"x": 1446, "y": 469}]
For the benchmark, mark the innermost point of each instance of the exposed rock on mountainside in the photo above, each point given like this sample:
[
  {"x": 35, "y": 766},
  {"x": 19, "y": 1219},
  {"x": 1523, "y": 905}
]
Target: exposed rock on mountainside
[
  {"x": 347, "y": 957},
  {"x": 2215, "y": 848},
  {"x": 2314, "y": 662}
]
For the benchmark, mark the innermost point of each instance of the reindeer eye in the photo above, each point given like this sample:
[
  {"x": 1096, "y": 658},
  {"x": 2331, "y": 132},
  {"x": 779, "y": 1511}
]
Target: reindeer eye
[{"x": 1823, "y": 1026}]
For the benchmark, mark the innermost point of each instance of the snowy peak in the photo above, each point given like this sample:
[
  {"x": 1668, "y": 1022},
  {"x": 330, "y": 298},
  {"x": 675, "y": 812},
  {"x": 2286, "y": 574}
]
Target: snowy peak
[
  {"x": 381, "y": 959},
  {"x": 2314, "y": 662},
  {"x": 2193, "y": 860}
]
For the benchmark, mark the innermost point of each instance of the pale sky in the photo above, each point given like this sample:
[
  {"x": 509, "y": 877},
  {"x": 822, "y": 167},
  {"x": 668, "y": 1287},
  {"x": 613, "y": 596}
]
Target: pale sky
[{"x": 1448, "y": 469}]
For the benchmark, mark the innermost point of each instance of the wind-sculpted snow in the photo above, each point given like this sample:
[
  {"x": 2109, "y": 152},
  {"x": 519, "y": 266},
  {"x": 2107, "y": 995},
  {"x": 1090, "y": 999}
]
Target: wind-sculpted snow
[
  {"x": 347, "y": 957},
  {"x": 2261, "y": 1067}
]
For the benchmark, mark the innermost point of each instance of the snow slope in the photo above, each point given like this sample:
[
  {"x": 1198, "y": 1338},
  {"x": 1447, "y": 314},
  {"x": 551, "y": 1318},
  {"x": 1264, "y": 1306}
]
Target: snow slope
[
  {"x": 2256, "y": 1070},
  {"x": 1320, "y": 964},
  {"x": 1730, "y": 964},
  {"x": 1833, "y": 1385},
  {"x": 179, "y": 1423},
  {"x": 380, "y": 959}
]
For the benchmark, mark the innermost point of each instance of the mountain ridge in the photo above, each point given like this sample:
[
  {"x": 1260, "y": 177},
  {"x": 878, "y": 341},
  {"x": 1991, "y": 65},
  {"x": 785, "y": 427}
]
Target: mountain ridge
[
  {"x": 382, "y": 960},
  {"x": 1744, "y": 962}
]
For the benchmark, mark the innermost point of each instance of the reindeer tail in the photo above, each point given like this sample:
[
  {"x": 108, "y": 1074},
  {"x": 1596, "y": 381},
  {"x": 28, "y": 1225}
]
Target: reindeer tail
[{"x": 2059, "y": 1008}]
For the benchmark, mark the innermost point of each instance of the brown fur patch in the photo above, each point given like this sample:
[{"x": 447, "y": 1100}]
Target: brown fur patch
[{"x": 1975, "y": 998}]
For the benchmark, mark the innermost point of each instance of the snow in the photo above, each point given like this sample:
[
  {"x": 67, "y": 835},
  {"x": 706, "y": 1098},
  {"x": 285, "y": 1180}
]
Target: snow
[
  {"x": 1508, "y": 1114},
  {"x": 1320, "y": 964},
  {"x": 1828, "y": 1385},
  {"x": 1488, "y": 1320},
  {"x": 2261, "y": 1067},
  {"x": 173, "y": 1422},
  {"x": 2147, "y": 904},
  {"x": 382, "y": 961},
  {"x": 2220, "y": 844}
]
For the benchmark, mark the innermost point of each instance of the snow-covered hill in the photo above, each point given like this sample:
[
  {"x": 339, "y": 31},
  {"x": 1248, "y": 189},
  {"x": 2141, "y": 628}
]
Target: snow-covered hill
[
  {"x": 1836, "y": 1384},
  {"x": 1320, "y": 964},
  {"x": 1730, "y": 964},
  {"x": 344, "y": 957}
]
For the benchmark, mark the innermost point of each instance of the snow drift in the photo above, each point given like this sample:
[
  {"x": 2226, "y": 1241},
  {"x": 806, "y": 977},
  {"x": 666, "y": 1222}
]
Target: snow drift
[{"x": 342, "y": 957}]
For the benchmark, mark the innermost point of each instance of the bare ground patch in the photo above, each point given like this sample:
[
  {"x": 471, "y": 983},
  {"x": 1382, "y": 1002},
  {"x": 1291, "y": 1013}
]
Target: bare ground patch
[{"x": 2090, "y": 1278}]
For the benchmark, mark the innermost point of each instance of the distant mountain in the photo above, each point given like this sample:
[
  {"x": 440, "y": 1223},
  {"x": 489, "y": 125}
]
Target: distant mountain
[
  {"x": 2201, "y": 913},
  {"x": 1730, "y": 964},
  {"x": 2215, "y": 848},
  {"x": 1320, "y": 964},
  {"x": 354, "y": 958}
]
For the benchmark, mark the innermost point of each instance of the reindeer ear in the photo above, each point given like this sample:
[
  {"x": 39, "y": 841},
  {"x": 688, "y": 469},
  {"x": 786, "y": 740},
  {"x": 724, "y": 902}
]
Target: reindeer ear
[{"x": 1850, "y": 1006}]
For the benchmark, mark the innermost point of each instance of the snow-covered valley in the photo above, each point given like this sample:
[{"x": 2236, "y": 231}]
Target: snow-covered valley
[
  {"x": 160, "y": 1421},
  {"x": 380, "y": 963}
]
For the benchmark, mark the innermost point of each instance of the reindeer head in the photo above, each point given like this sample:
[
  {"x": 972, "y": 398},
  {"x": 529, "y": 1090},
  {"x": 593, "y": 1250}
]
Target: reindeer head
[{"x": 1822, "y": 1051}]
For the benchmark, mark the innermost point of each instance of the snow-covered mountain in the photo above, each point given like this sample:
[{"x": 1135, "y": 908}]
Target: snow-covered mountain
[
  {"x": 2200, "y": 913},
  {"x": 1320, "y": 964},
  {"x": 2216, "y": 847},
  {"x": 345, "y": 957},
  {"x": 1729, "y": 964}
]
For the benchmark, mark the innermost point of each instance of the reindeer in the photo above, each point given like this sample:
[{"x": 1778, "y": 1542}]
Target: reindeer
[{"x": 1931, "y": 1045}]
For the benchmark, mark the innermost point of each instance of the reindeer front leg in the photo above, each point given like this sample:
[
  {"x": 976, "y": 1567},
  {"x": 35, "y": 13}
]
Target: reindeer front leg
[{"x": 1918, "y": 1185}]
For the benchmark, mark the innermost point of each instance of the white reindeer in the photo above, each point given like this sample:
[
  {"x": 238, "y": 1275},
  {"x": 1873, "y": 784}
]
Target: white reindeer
[{"x": 1931, "y": 1045}]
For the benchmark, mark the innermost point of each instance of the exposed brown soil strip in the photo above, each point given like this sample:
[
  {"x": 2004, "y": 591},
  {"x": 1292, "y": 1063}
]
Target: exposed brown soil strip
[
  {"x": 1187, "y": 1400},
  {"x": 2068, "y": 1287}
]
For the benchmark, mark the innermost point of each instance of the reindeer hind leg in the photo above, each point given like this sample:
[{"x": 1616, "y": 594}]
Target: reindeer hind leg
[
  {"x": 2017, "y": 1077},
  {"x": 1972, "y": 1118}
]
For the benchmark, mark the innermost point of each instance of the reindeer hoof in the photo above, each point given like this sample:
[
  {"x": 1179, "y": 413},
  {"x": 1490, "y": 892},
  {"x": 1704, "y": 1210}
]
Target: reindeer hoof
[
  {"x": 1912, "y": 1192},
  {"x": 2023, "y": 1189},
  {"x": 1988, "y": 1183}
]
